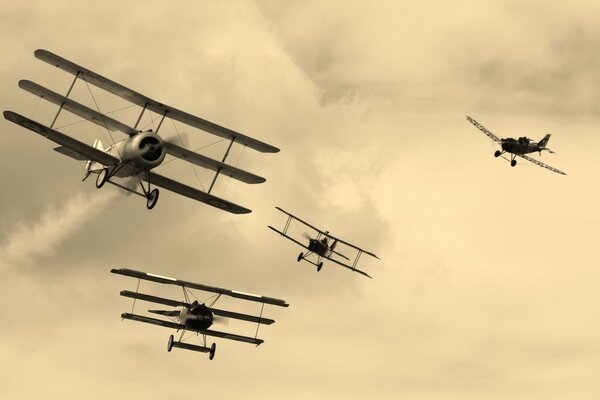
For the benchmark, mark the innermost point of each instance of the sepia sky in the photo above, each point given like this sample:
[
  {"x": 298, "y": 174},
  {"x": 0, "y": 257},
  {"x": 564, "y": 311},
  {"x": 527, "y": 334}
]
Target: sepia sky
[{"x": 487, "y": 283}]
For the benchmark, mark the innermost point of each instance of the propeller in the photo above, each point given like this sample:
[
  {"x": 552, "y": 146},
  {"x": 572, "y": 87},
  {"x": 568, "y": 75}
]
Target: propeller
[
  {"x": 180, "y": 139},
  {"x": 306, "y": 235}
]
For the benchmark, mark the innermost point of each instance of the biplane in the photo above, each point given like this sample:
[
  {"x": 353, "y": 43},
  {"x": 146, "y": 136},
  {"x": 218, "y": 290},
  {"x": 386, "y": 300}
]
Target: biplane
[
  {"x": 518, "y": 147},
  {"x": 194, "y": 316},
  {"x": 322, "y": 246},
  {"x": 142, "y": 151}
]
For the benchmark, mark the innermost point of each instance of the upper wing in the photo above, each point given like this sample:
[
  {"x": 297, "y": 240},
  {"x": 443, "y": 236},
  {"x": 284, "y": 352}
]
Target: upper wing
[
  {"x": 62, "y": 139},
  {"x": 484, "y": 129},
  {"x": 152, "y": 105},
  {"x": 198, "y": 286},
  {"x": 188, "y": 191},
  {"x": 304, "y": 222},
  {"x": 541, "y": 164}
]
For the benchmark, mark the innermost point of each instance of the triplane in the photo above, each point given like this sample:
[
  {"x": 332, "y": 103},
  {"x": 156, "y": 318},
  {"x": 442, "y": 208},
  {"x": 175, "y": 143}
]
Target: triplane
[
  {"x": 518, "y": 147},
  {"x": 323, "y": 245},
  {"x": 135, "y": 156},
  {"x": 193, "y": 316}
]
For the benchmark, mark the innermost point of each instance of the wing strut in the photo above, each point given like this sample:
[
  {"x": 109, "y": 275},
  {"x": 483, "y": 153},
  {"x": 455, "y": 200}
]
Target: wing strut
[
  {"x": 262, "y": 307},
  {"x": 61, "y": 106},
  {"x": 140, "y": 117},
  {"x": 219, "y": 169}
]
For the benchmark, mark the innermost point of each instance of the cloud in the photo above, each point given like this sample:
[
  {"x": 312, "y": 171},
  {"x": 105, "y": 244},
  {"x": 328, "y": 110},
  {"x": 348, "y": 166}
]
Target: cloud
[{"x": 43, "y": 237}]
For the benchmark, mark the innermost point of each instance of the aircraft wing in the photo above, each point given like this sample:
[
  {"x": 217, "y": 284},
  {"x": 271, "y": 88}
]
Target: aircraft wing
[
  {"x": 211, "y": 164},
  {"x": 231, "y": 336},
  {"x": 152, "y": 105},
  {"x": 188, "y": 191},
  {"x": 302, "y": 221},
  {"x": 541, "y": 164},
  {"x": 57, "y": 137},
  {"x": 153, "y": 299},
  {"x": 242, "y": 317},
  {"x": 289, "y": 237},
  {"x": 172, "y": 281},
  {"x": 76, "y": 108},
  {"x": 349, "y": 267},
  {"x": 153, "y": 321},
  {"x": 353, "y": 246},
  {"x": 484, "y": 130}
]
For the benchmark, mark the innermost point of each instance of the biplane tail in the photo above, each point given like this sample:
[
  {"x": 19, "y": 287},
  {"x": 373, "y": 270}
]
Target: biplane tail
[{"x": 544, "y": 141}]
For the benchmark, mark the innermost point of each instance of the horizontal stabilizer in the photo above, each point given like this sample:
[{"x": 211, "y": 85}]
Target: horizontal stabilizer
[
  {"x": 166, "y": 313},
  {"x": 70, "y": 153},
  {"x": 153, "y": 321},
  {"x": 152, "y": 105}
]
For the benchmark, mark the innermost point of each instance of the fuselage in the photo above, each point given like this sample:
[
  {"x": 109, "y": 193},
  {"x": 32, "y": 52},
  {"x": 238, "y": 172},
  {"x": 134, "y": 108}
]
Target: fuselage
[
  {"x": 141, "y": 152},
  {"x": 320, "y": 247},
  {"x": 197, "y": 316},
  {"x": 521, "y": 145}
]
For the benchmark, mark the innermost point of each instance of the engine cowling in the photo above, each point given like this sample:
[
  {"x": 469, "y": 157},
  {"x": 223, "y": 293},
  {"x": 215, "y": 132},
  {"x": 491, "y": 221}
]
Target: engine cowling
[
  {"x": 146, "y": 150},
  {"x": 199, "y": 316}
]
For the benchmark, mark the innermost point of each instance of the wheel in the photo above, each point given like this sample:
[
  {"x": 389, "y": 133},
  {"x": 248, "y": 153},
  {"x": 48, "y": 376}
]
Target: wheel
[
  {"x": 152, "y": 199},
  {"x": 300, "y": 257},
  {"x": 170, "y": 343},
  {"x": 497, "y": 153},
  {"x": 211, "y": 353},
  {"x": 319, "y": 266},
  {"x": 101, "y": 178},
  {"x": 513, "y": 163}
]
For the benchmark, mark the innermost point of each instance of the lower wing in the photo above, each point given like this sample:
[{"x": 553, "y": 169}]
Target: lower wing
[
  {"x": 541, "y": 164},
  {"x": 192, "y": 193},
  {"x": 76, "y": 147}
]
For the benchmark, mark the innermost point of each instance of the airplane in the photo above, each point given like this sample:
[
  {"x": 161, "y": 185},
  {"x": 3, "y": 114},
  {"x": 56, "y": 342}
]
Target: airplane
[
  {"x": 323, "y": 245},
  {"x": 142, "y": 151},
  {"x": 518, "y": 147},
  {"x": 193, "y": 316}
]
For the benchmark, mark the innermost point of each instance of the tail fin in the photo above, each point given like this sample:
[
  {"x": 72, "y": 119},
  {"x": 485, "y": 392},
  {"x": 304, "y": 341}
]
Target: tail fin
[
  {"x": 98, "y": 144},
  {"x": 544, "y": 141}
]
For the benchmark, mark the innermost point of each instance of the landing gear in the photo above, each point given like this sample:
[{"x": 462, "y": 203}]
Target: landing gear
[
  {"x": 300, "y": 257},
  {"x": 170, "y": 343},
  {"x": 497, "y": 153},
  {"x": 102, "y": 178},
  {"x": 211, "y": 353},
  {"x": 319, "y": 266},
  {"x": 151, "y": 199},
  {"x": 513, "y": 163}
]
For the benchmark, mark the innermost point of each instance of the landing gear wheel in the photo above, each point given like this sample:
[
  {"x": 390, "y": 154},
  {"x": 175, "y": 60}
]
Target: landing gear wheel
[
  {"x": 319, "y": 266},
  {"x": 513, "y": 163},
  {"x": 211, "y": 353},
  {"x": 101, "y": 178},
  {"x": 170, "y": 343},
  {"x": 152, "y": 199},
  {"x": 300, "y": 257},
  {"x": 497, "y": 153}
]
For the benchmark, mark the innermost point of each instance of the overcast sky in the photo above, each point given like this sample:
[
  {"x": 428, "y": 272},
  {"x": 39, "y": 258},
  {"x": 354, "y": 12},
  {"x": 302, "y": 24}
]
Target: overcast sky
[{"x": 487, "y": 283}]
